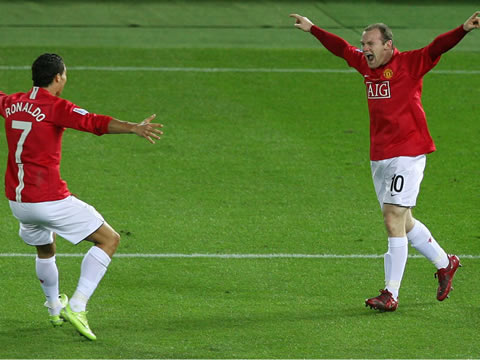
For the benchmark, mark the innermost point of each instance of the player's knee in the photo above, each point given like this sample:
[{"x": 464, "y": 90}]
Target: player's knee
[
  {"x": 392, "y": 228},
  {"x": 389, "y": 219},
  {"x": 114, "y": 241},
  {"x": 394, "y": 222},
  {"x": 46, "y": 251},
  {"x": 106, "y": 238}
]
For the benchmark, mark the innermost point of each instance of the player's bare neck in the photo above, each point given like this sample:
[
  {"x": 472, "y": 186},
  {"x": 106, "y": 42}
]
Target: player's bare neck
[
  {"x": 388, "y": 58},
  {"x": 52, "y": 89}
]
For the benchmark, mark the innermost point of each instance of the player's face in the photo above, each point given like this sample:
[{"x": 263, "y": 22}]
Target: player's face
[{"x": 376, "y": 52}]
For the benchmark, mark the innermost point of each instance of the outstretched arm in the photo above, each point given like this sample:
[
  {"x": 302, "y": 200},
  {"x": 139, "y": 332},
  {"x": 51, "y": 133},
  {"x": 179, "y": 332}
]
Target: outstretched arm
[
  {"x": 336, "y": 45},
  {"x": 144, "y": 129},
  {"x": 445, "y": 42}
]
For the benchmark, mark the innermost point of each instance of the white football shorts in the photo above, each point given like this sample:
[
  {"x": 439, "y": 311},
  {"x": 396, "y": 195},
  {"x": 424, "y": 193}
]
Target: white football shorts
[
  {"x": 397, "y": 180},
  {"x": 71, "y": 218}
]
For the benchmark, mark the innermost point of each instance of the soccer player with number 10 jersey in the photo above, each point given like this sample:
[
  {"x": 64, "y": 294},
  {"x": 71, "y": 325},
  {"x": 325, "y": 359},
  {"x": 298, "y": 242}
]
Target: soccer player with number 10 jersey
[{"x": 399, "y": 141}]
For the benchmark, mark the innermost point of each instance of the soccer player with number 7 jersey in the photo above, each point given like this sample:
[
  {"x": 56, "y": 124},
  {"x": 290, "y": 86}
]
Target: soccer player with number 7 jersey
[
  {"x": 40, "y": 199},
  {"x": 399, "y": 142}
]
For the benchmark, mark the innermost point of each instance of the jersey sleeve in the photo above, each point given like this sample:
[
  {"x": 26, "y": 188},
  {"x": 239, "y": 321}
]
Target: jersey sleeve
[
  {"x": 339, "y": 47},
  {"x": 445, "y": 42},
  {"x": 419, "y": 62},
  {"x": 423, "y": 60},
  {"x": 71, "y": 116},
  {"x": 333, "y": 43}
]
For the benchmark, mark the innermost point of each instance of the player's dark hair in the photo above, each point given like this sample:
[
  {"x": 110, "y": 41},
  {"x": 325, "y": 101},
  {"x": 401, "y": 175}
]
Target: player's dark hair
[
  {"x": 45, "y": 68},
  {"x": 384, "y": 30}
]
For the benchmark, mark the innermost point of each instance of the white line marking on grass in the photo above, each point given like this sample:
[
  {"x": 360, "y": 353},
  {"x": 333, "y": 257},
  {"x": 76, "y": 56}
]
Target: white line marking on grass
[
  {"x": 241, "y": 256},
  {"x": 225, "y": 70}
]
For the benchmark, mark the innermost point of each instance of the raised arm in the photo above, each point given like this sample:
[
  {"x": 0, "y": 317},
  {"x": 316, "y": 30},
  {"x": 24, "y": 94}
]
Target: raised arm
[
  {"x": 445, "y": 42},
  {"x": 333, "y": 43}
]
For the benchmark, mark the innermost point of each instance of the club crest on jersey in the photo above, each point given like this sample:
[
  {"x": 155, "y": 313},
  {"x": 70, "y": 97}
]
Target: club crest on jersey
[
  {"x": 378, "y": 90},
  {"x": 388, "y": 74}
]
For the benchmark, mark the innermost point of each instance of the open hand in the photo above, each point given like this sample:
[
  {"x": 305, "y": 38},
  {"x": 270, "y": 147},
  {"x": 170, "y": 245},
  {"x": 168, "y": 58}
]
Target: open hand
[{"x": 148, "y": 130}]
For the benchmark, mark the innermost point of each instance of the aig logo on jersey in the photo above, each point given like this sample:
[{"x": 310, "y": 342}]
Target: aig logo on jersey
[{"x": 378, "y": 90}]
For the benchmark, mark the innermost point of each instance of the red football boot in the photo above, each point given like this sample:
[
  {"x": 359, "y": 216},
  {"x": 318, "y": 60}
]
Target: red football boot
[
  {"x": 445, "y": 277},
  {"x": 383, "y": 302}
]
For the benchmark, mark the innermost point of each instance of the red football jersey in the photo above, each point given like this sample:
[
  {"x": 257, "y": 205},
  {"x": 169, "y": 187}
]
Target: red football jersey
[
  {"x": 398, "y": 125},
  {"x": 34, "y": 125}
]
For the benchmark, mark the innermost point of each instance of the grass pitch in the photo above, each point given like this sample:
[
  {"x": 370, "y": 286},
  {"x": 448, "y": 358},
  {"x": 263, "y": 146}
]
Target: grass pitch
[{"x": 251, "y": 163}]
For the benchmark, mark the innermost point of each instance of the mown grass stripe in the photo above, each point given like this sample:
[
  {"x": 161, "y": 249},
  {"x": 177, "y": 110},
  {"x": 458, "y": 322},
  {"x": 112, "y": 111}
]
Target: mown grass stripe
[
  {"x": 239, "y": 256},
  {"x": 223, "y": 70}
]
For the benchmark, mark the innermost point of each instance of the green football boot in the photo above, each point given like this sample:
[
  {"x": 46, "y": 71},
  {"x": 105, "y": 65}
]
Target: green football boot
[
  {"x": 56, "y": 320},
  {"x": 79, "y": 321}
]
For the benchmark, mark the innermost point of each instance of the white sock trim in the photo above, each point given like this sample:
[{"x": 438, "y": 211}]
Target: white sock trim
[
  {"x": 396, "y": 242},
  {"x": 100, "y": 255},
  {"x": 46, "y": 261}
]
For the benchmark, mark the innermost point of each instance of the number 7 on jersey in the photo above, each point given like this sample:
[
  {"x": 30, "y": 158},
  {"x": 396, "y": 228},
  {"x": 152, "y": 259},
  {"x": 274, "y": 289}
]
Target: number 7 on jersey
[{"x": 26, "y": 127}]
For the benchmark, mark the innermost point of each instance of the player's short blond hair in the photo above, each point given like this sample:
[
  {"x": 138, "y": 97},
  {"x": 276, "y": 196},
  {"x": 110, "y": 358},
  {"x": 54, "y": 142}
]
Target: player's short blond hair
[{"x": 384, "y": 30}]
